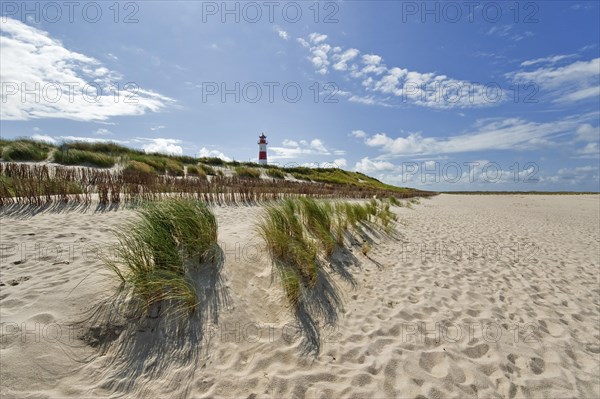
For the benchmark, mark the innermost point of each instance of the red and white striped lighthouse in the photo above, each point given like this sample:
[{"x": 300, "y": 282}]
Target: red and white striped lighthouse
[{"x": 262, "y": 149}]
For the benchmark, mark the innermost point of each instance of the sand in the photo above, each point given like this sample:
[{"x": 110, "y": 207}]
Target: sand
[{"x": 477, "y": 296}]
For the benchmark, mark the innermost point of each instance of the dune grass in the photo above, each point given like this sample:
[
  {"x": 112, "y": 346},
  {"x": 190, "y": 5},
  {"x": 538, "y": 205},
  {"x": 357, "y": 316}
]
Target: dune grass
[
  {"x": 174, "y": 168},
  {"x": 82, "y": 157},
  {"x": 24, "y": 150},
  {"x": 302, "y": 234},
  {"x": 275, "y": 173},
  {"x": 246, "y": 172},
  {"x": 193, "y": 170},
  {"x": 158, "y": 251},
  {"x": 140, "y": 167},
  {"x": 207, "y": 169}
]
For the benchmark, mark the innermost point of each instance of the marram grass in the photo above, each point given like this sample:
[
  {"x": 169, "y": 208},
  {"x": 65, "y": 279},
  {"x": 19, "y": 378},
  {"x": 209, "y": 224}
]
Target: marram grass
[
  {"x": 157, "y": 252},
  {"x": 302, "y": 234}
]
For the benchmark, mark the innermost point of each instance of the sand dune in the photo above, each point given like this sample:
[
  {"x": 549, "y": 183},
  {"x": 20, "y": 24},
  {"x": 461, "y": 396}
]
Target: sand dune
[{"x": 478, "y": 296}]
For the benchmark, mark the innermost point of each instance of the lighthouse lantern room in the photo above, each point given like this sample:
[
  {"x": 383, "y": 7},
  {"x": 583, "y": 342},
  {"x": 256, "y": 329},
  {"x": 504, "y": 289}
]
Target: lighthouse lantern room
[{"x": 262, "y": 149}]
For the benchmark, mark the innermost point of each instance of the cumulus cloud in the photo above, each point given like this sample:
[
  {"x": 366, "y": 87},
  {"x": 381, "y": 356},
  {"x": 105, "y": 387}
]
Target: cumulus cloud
[
  {"x": 103, "y": 132},
  {"x": 206, "y": 153},
  {"x": 367, "y": 165},
  {"x": 163, "y": 146},
  {"x": 43, "y": 79}
]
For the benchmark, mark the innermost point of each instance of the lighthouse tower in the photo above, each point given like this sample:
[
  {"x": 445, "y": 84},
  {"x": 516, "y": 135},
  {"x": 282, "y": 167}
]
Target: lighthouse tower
[{"x": 262, "y": 149}]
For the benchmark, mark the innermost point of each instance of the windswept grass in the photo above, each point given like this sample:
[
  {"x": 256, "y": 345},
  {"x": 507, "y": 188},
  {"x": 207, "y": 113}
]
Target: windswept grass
[
  {"x": 193, "y": 170},
  {"x": 158, "y": 252},
  {"x": 24, "y": 151},
  {"x": 207, "y": 169},
  {"x": 80, "y": 157},
  {"x": 140, "y": 167},
  {"x": 275, "y": 173},
  {"x": 245, "y": 172},
  {"x": 173, "y": 168},
  {"x": 304, "y": 239}
]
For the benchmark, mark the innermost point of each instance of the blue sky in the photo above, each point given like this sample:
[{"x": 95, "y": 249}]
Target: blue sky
[{"x": 447, "y": 96}]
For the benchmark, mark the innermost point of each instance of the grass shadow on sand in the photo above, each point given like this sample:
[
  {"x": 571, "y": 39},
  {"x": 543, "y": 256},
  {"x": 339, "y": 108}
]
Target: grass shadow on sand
[{"x": 136, "y": 348}]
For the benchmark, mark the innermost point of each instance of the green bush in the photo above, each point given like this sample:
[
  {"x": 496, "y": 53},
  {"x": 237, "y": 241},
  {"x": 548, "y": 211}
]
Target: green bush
[{"x": 79, "y": 157}]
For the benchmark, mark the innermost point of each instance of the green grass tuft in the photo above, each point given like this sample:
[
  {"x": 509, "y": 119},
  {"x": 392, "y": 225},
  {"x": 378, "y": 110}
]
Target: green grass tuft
[
  {"x": 157, "y": 251},
  {"x": 24, "y": 151},
  {"x": 80, "y": 157},
  {"x": 245, "y": 172}
]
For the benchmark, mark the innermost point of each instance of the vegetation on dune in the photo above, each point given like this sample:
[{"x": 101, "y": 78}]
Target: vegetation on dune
[
  {"x": 207, "y": 169},
  {"x": 82, "y": 157},
  {"x": 158, "y": 253},
  {"x": 245, "y": 172},
  {"x": 151, "y": 176},
  {"x": 276, "y": 173},
  {"x": 173, "y": 168},
  {"x": 302, "y": 234},
  {"x": 138, "y": 167},
  {"x": 24, "y": 150},
  {"x": 306, "y": 239},
  {"x": 193, "y": 170}
]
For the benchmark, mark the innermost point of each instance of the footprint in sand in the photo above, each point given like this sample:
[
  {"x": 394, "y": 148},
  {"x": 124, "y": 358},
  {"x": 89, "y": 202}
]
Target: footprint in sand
[
  {"x": 477, "y": 351},
  {"x": 15, "y": 281},
  {"x": 435, "y": 363},
  {"x": 537, "y": 365}
]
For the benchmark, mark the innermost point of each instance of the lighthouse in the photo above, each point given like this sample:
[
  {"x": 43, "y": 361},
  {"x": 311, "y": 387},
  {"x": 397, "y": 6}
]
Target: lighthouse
[{"x": 262, "y": 149}]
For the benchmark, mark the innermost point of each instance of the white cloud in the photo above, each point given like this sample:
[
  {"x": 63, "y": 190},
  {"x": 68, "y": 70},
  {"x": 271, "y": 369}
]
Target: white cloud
[
  {"x": 44, "y": 138},
  {"x": 289, "y": 143},
  {"x": 282, "y": 34},
  {"x": 424, "y": 89},
  {"x": 163, "y": 146},
  {"x": 547, "y": 60},
  {"x": 570, "y": 83},
  {"x": 292, "y": 149},
  {"x": 342, "y": 59},
  {"x": 506, "y": 134},
  {"x": 155, "y": 128},
  {"x": 359, "y": 134},
  {"x": 67, "y": 84},
  {"x": 587, "y": 132},
  {"x": 206, "y": 153},
  {"x": 103, "y": 132},
  {"x": 317, "y": 38},
  {"x": 340, "y": 163},
  {"x": 319, "y": 146},
  {"x": 590, "y": 149},
  {"x": 366, "y": 165}
]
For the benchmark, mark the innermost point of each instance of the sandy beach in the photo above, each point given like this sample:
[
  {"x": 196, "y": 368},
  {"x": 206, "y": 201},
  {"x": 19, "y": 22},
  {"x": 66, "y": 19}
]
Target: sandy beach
[{"x": 477, "y": 296}]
